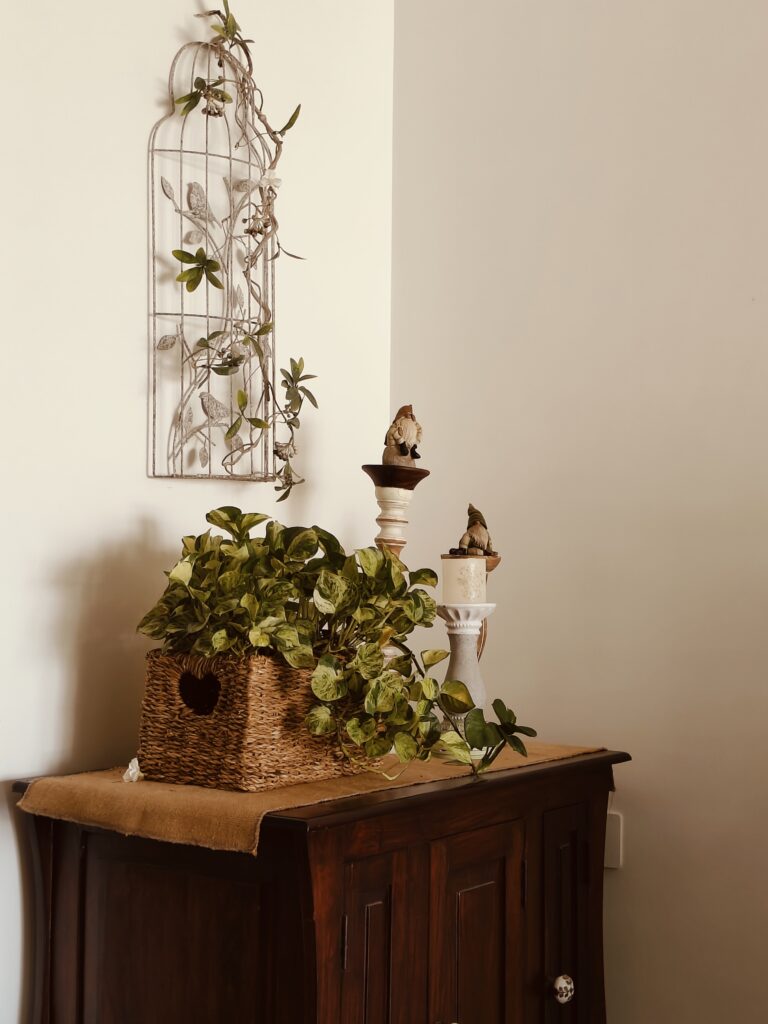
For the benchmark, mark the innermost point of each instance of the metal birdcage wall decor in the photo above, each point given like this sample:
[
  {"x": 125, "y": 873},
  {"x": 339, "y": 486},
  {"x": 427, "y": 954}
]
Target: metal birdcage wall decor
[{"x": 213, "y": 184}]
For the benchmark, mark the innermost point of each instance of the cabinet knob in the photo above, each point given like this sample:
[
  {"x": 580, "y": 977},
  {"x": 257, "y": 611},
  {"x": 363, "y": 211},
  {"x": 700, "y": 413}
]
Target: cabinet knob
[{"x": 564, "y": 989}]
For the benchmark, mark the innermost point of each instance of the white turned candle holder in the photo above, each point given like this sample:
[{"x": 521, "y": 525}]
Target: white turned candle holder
[
  {"x": 393, "y": 487},
  {"x": 392, "y": 518},
  {"x": 464, "y": 623}
]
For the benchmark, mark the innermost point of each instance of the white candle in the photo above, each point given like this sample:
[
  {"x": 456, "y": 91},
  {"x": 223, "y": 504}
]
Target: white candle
[{"x": 463, "y": 579}]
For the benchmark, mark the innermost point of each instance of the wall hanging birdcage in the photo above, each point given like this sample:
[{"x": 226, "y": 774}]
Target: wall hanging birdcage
[{"x": 213, "y": 185}]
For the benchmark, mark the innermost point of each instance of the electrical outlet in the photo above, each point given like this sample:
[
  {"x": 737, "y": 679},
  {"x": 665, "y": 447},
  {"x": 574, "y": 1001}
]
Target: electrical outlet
[{"x": 614, "y": 839}]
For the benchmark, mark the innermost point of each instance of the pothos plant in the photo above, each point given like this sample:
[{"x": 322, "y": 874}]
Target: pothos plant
[
  {"x": 295, "y": 594},
  {"x": 227, "y": 245}
]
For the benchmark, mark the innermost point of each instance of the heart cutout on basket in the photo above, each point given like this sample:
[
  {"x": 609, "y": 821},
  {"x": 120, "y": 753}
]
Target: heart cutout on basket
[{"x": 200, "y": 694}]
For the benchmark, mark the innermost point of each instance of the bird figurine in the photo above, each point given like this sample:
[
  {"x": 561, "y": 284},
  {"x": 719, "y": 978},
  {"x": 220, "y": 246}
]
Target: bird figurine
[
  {"x": 402, "y": 439},
  {"x": 476, "y": 539}
]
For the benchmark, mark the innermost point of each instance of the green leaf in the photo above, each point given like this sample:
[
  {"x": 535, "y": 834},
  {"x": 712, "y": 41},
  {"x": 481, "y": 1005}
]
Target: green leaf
[
  {"x": 369, "y": 661},
  {"x": 361, "y": 728},
  {"x": 526, "y": 730},
  {"x": 220, "y": 640},
  {"x": 455, "y": 746},
  {"x": 188, "y": 275},
  {"x": 455, "y": 698},
  {"x": 256, "y": 422},
  {"x": 331, "y": 592},
  {"x": 184, "y": 257},
  {"x": 251, "y": 605},
  {"x": 191, "y": 103},
  {"x": 181, "y": 572},
  {"x": 213, "y": 279},
  {"x": 291, "y": 121},
  {"x": 308, "y": 395},
  {"x": 258, "y": 638},
  {"x": 430, "y": 688},
  {"x": 503, "y": 713},
  {"x": 265, "y": 329},
  {"x": 379, "y": 698},
  {"x": 227, "y": 518},
  {"x": 319, "y": 721},
  {"x": 371, "y": 560},
  {"x": 517, "y": 745},
  {"x": 194, "y": 281},
  {"x": 302, "y": 545},
  {"x": 234, "y": 428},
  {"x": 242, "y": 400},
  {"x": 200, "y": 83},
  {"x": 423, "y": 577},
  {"x": 479, "y": 733},
  {"x": 378, "y": 747},
  {"x": 327, "y": 680},
  {"x": 251, "y": 519},
  {"x": 405, "y": 746},
  {"x": 433, "y": 657},
  {"x": 403, "y": 665},
  {"x": 300, "y": 657}
]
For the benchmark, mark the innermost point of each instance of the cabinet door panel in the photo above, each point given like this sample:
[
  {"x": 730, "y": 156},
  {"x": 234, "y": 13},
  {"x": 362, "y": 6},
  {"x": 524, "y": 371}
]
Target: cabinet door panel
[
  {"x": 384, "y": 938},
  {"x": 476, "y": 931},
  {"x": 566, "y": 862},
  {"x": 367, "y": 941}
]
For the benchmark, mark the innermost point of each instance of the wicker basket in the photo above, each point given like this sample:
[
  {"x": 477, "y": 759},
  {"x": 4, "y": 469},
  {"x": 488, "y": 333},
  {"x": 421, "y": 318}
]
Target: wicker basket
[{"x": 231, "y": 723}]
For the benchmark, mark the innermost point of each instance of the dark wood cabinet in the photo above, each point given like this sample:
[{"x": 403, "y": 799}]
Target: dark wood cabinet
[{"x": 457, "y": 901}]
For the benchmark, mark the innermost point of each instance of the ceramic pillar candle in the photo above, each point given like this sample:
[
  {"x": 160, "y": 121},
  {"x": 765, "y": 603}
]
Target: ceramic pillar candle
[{"x": 464, "y": 579}]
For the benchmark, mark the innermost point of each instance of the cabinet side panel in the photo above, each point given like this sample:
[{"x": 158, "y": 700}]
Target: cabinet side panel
[{"x": 171, "y": 935}]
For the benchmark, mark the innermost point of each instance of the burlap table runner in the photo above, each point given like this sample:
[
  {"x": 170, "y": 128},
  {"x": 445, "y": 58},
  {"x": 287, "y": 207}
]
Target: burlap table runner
[{"x": 221, "y": 819}]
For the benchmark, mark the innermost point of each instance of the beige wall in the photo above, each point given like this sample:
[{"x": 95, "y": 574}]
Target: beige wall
[
  {"x": 580, "y": 317},
  {"x": 85, "y": 533}
]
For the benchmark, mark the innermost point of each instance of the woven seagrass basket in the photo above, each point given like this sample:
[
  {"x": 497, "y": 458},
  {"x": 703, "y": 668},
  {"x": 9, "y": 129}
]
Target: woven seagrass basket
[{"x": 231, "y": 723}]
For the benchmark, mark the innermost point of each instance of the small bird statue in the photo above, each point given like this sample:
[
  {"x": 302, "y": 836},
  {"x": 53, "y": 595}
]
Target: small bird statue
[
  {"x": 476, "y": 540},
  {"x": 402, "y": 438}
]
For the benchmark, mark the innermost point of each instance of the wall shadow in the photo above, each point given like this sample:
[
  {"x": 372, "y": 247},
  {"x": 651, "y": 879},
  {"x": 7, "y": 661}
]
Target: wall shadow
[{"x": 101, "y": 598}]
